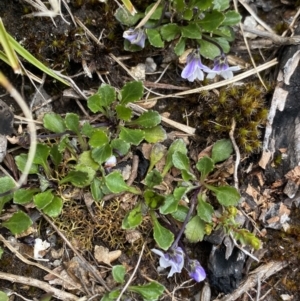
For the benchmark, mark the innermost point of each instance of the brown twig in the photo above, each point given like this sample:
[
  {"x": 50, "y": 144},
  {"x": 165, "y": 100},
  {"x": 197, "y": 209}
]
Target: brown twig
[
  {"x": 237, "y": 154},
  {"x": 61, "y": 295}
]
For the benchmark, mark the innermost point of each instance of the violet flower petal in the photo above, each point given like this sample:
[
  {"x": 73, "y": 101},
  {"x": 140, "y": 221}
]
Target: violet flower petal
[
  {"x": 136, "y": 37},
  {"x": 196, "y": 271}
]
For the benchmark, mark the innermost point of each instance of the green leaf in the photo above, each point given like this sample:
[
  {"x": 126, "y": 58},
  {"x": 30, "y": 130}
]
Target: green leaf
[
  {"x": 226, "y": 195},
  {"x": 76, "y": 177},
  {"x": 163, "y": 237},
  {"x": 56, "y": 155},
  {"x": 54, "y": 208},
  {"x": 231, "y": 18},
  {"x": 153, "y": 178},
  {"x": 101, "y": 154},
  {"x": 180, "y": 47},
  {"x": 208, "y": 50},
  {"x": 72, "y": 122},
  {"x": 123, "y": 112},
  {"x": 169, "y": 206},
  {"x": 157, "y": 13},
  {"x": 195, "y": 229},
  {"x": 98, "y": 138},
  {"x": 221, "y": 5},
  {"x": 188, "y": 14},
  {"x": 155, "y": 134},
  {"x": 6, "y": 184},
  {"x": 153, "y": 199},
  {"x": 90, "y": 174},
  {"x": 3, "y": 296},
  {"x": 1, "y": 253},
  {"x": 179, "y": 5},
  {"x": 131, "y": 47},
  {"x": 212, "y": 20},
  {"x": 131, "y": 92},
  {"x": 87, "y": 129},
  {"x": 180, "y": 160},
  {"x": 148, "y": 119},
  {"x": 221, "y": 150},
  {"x": 177, "y": 145},
  {"x": 126, "y": 18},
  {"x": 102, "y": 99},
  {"x": 41, "y": 200},
  {"x": 204, "y": 209},
  {"x": 54, "y": 123},
  {"x": 181, "y": 213},
  {"x": 155, "y": 38},
  {"x": 18, "y": 223},
  {"x": 133, "y": 218},
  {"x": 157, "y": 152},
  {"x": 150, "y": 291},
  {"x": 85, "y": 158},
  {"x": 180, "y": 192},
  {"x": 134, "y": 137},
  {"x": 116, "y": 184},
  {"x": 96, "y": 190},
  {"x": 111, "y": 296},
  {"x": 21, "y": 161},
  {"x": 24, "y": 196},
  {"x": 202, "y": 4},
  {"x": 118, "y": 273},
  {"x": 191, "y": 31},
  {"x": 205, "y": 165},
  {"x": 169, "y": 31},
  {"x": 41, "y": 154},
  {"x": 121, "y": 146}
]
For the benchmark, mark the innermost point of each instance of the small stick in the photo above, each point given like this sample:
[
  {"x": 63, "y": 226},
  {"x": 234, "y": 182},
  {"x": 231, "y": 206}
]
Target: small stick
[
  {"x": 61, "y": 295},
  {"x": 237, "y": 153}
]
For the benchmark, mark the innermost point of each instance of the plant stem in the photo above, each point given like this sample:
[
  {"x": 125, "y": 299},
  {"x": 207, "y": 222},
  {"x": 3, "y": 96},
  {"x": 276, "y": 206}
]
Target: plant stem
[{"x": 187, "y": 218}]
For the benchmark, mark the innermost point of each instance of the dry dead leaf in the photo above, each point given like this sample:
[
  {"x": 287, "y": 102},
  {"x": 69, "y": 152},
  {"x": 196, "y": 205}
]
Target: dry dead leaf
[
  {"x": 133, "y": 235},
  {"x": 294, "y": 175},
  {"x": 103, "y": 255}
]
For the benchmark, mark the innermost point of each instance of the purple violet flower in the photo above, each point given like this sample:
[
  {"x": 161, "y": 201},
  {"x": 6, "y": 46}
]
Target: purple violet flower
[
  {"x": 173, "y": 258},
  {"x": 194, "y": 67},
  {"x": 196, "y": 271},
  {"x": 222, "y": 68},
  {"x": 135, "y": 36}
]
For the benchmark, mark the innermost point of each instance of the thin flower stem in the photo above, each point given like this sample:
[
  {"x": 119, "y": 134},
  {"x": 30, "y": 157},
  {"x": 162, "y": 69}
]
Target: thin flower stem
[{"x": 187, "y": 218}]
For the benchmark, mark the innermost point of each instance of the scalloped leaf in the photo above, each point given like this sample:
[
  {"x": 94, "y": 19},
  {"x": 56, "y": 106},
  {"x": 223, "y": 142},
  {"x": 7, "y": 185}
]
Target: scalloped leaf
[
  {"x": 24, "y": 196},
  {"x": 54, "y": 123},
  {"x": 205, "y": 165},
  {"x": 116, "y": 184},
  {"x": 153, "y": 178},
  {"x": 195, "y": 229},
  {"x": 155, "y": 38},
  {"x": 226, "y": 195},
  {"x": 221, "y": 150},
  {"x": 204, "y": 209},
  {"x": 163, "y": 237},
  {"x": 169, "y": 31},
  {"x": 123, "y": 112},
  {"x": 150, "y": 291},
  {"x": 6, "y": 183},
  {"x": 133, "y": 218},
  {"x": 43, "y": 199},
  {"x": 105, "y": 95},
  {"x": 18, "y": 223},
  {"x": 76, "y": 177},
  {"x": 133, "y": 136},
  {"x": 72, "y": 122},
  {"x": 101, "y": 154},
  {"x": 118, "y": 273},
  {"x": 191, "y": 31},
  {"x": 98, "y": 138},
  {"x": 153, "y": 199},
  {"x": 155, "y": 134},
  {"x": 21, "y": 161},
  {"x": 54, "y": 208},
  {"x": 148, "y": 119},
  {"x": 131, "y": 92}
]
